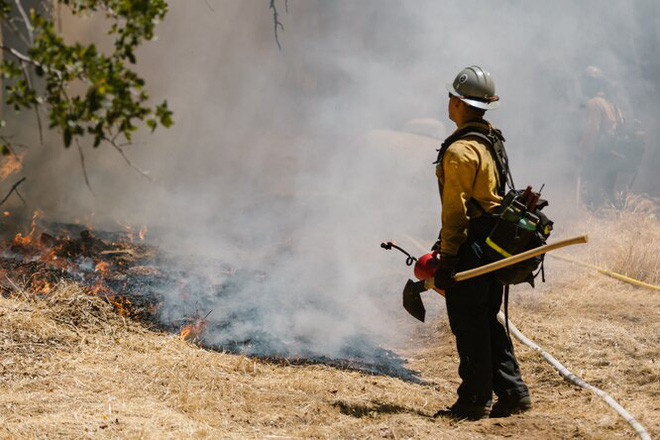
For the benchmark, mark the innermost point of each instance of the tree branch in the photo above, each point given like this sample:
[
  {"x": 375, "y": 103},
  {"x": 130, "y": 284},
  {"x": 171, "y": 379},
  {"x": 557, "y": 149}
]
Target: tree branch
[
  {"x": 128, "y": 161},
  {"x": 14, "y": 188},
  {"x": 16, "y": 31},
  {"x": 19, "y": 55},
  {"x": 27, "y": 59},
  {"x": 10, "y": 145},
  {"x": 277, "y": 25},
  {"x": 84, "y": 168},
  {"x": 28, "y": 78},
  {"x": 26, "y": 21},
  {"x": 59, "y": 17},
  {"x": 39, "y": 125},
  {"x": 209, "y": 5}
]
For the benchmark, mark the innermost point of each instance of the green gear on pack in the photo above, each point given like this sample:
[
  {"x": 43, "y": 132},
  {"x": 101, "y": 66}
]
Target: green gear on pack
[
  {"x": 519, "y": 224},
  {"x": 475, "y": 87}
]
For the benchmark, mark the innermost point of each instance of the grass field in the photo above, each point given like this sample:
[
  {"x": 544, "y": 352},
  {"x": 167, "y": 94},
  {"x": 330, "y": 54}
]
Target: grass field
[{"x": 73, "y": 368}]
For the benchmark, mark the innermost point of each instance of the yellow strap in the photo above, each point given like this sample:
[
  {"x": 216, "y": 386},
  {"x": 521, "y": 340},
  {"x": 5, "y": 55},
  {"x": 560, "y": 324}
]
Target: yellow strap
[{"x": 498, "y": 249}]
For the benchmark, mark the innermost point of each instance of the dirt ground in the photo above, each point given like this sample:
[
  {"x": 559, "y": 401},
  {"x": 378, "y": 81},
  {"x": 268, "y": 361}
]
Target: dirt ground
[{"x": 72, "y": 368}]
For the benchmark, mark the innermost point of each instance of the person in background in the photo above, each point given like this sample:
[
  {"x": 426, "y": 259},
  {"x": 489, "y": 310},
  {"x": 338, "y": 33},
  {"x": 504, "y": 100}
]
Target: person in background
[{"x": 609, "y": 146}]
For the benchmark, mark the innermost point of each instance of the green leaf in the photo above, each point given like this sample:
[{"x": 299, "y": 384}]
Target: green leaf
[{"x": 115, "y": 99}]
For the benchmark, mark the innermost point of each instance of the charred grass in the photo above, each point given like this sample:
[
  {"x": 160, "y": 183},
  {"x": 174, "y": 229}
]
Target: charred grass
[{"x": 71, "y": 367}]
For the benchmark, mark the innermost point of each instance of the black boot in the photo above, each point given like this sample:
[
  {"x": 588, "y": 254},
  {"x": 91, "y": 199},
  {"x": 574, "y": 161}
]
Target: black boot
[
  {"x": 504, "y": 407},
  {"x": 463, "y": 411}
]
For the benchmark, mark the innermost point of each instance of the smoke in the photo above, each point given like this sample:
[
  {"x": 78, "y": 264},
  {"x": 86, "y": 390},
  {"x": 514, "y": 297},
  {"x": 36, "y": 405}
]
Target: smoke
[{"x": 286, "y": 169}]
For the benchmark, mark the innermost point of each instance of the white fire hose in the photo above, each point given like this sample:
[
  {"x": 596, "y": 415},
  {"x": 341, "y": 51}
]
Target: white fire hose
[{"x": 566, "y": 373}]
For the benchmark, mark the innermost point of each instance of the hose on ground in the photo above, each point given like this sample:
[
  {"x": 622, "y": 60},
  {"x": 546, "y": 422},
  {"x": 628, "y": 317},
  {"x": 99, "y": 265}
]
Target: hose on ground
[
  {"x": 607, "y": 272},
  {"x": 566, "y": 373}
]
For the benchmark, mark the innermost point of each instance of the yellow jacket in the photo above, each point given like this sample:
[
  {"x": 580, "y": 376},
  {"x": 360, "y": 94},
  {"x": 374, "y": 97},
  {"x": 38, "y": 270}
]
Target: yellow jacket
[
  {"x": 603, "y": 118},
  {"x": 467, "y": 171}
]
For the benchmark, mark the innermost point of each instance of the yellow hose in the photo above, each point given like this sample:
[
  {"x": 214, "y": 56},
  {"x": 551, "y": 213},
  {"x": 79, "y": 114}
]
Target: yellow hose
[{"x": 609, "y": 273}]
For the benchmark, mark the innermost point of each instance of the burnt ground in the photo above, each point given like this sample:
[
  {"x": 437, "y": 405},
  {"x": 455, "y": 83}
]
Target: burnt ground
[{"x": 138, "y": 279}]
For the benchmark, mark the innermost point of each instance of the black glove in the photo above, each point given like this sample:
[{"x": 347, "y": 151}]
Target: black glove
[
  {"x": 444, "y": 275},
  {"x": 436, "y": 247}
]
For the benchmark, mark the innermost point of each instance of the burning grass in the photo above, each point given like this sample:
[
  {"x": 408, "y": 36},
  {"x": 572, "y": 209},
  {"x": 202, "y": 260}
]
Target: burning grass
[{"x": 142, "y": 283}]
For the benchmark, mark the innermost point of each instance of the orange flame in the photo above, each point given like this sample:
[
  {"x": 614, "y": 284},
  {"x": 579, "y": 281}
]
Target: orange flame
[
  {"x": 186, "y": 330},
  {"x": 51, "y": 255},
  {"x": 97, "y": 288},
  {"x": 41, "y": 286},
  {"x": 193, "y": 330},
  {"x": 6, "y": 214},
  {"x": 10, "y": 164},
  {"x": 102, "y": 267},
  {"x": 21, "y": 240},
  {"x": 122, "y": 304},
  {"x": 143, "y": 232}
]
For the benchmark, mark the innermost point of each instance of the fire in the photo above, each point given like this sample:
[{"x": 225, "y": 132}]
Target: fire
[
  {"x": 21, "y": 240},
  {"x": 194, "y": 329},
  {"x": 51, "y": 255},
  {"x": 143, "y": 232},
  {"x": 10, "y": 164},
  {"x": 6, "y": 214},
  {"x": 122, "y": 304},
  {"x": 48, "y": 259},
  {"x": 97, "y": 288},
  {"x": 42, "y": 286},
  {"x": 102, "y": 267},
  {"x": 186, "y": 330}
]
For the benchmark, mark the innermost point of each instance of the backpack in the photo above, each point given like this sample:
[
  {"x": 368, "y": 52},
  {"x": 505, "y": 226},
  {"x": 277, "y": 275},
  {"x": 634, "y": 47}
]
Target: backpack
[
  {"x": 519, "y": 224},
  {"x": 627, "y": 144}
]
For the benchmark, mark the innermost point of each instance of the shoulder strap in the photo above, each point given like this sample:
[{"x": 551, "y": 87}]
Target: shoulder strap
[{"x": 494, "y": 140}]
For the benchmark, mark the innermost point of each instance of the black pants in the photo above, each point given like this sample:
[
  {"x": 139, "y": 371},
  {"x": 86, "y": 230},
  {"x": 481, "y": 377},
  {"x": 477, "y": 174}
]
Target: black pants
[
  {"x": 487, "y": 361},
  {"x": 599, "y": 174}
]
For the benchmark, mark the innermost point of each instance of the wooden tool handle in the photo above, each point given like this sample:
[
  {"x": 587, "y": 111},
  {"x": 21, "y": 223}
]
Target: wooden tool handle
[{"x": 467, "y": 274}]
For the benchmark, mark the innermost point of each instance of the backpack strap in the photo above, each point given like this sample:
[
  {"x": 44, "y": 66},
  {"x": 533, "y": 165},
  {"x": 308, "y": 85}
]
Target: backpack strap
[{"x": 494, "y": 141}]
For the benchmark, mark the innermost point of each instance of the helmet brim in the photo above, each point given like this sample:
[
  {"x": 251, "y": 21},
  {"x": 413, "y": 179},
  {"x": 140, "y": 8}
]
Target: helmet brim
[{"x": 472, "y": 102}]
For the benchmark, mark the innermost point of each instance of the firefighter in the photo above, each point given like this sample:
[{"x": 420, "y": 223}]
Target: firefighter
[
  {"x": 607, "y": 149},
  {"x": 471, "y": 188}
]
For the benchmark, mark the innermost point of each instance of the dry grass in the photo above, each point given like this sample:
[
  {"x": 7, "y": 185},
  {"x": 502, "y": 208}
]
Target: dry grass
[
  {"x": 626, "y": 241},
  {"x": 72, "y": 368}
]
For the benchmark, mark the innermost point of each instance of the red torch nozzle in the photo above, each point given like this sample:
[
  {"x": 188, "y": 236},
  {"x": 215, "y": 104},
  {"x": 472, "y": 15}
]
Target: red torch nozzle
[{"x": 425, "y": 267}]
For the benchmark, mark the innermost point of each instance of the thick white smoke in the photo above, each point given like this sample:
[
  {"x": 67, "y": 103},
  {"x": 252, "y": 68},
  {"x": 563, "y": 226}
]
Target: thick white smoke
[{"x": 291, "y": 166}]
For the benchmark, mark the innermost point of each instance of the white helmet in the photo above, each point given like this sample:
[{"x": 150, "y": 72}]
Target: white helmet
[{"x": 475, "y": 87}]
